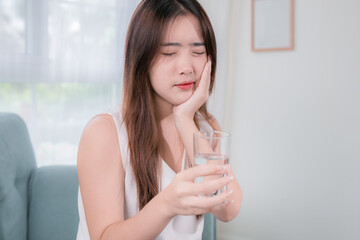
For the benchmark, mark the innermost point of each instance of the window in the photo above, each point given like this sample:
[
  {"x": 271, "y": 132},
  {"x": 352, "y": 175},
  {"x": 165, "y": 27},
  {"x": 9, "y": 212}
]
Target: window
[{"x": 60, "y": 64}]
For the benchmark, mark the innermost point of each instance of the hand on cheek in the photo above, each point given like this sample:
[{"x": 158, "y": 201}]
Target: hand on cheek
[{"x": 199, "y": 97}]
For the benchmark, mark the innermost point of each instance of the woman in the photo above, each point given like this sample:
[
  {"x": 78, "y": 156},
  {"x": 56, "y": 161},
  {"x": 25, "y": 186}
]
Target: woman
[{"x": 134, "y": 163}]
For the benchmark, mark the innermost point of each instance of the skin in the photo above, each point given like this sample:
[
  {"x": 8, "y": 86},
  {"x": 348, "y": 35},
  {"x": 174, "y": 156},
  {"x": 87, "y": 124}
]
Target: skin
[{"x": 100, "y": 170}]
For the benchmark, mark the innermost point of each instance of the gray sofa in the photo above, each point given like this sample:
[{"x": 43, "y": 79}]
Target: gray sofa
[
  {"x": 40, "y": 203},
  {"x": 35, "y": 203}
]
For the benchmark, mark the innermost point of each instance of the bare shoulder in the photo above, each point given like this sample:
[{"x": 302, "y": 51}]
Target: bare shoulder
[
  {"x": 99, "y": 139},
  {"x": 101, "y": 125}
]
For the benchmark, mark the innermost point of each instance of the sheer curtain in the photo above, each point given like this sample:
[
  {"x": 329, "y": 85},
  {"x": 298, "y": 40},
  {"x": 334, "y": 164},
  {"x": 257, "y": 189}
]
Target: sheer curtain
[
  {"x": 220, "y": 103},
  {"x": 61, "y": 62}
]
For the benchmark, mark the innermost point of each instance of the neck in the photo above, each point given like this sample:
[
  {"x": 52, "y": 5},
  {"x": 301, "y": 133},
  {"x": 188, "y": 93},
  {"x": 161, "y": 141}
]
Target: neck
[
  {"x": 171, "y": 148},
  {"x": 164, "y": 110},
  {"x": 164, "y": 114}
]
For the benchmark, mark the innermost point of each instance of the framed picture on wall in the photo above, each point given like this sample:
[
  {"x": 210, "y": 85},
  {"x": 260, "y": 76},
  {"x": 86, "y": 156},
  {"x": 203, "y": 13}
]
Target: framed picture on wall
[{"x": 272, "y": 25}]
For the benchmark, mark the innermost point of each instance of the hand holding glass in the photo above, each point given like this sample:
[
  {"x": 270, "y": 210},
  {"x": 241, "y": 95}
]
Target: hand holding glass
[{"x": 211, "y": 147}]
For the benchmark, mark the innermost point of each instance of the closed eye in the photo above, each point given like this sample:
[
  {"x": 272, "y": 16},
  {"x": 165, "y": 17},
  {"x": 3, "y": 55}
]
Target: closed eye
[
  {"x": 199, "y": 53},
  {"x": 168, "y": 54}
]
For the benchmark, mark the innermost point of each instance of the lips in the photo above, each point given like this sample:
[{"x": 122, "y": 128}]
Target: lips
[{"x": 185, "y": 85}]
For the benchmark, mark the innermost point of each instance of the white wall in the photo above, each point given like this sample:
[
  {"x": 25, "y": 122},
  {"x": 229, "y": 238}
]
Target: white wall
[{"x": 295, "y": 124}]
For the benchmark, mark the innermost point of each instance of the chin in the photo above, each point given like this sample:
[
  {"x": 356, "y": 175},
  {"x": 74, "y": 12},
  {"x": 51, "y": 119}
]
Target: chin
[{"x": 182, "y": 99}]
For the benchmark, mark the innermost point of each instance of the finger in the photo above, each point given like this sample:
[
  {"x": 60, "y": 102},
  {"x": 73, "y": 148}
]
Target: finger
[
  {"x": 211, "y": 186},
  {"x": 204, "y": 170},
  {"x": 223, "y": 205},
  {"x": 205, "y": 77},
  {"x": 210, "y": 202},
  {"x": 204, "y": 73}
]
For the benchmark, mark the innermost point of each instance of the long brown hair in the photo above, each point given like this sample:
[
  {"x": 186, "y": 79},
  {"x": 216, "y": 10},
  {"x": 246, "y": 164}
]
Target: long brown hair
[{"x": 143, "y": 40}]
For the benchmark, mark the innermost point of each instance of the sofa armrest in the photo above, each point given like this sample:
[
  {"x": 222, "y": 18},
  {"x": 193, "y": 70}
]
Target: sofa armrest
[
  {"x": 209, "y": 232},
  {"x": 52, "y": 203}
]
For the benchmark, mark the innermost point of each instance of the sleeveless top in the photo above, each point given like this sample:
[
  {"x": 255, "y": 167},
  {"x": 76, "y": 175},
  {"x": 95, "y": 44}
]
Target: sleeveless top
[{"x": 180, "y": 227}]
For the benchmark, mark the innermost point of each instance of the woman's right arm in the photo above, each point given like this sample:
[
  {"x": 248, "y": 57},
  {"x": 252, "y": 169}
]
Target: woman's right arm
[{"x": 101, "y": 180}]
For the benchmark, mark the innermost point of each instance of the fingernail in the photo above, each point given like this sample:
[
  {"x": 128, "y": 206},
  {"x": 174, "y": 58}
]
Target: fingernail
[
  {"x": 232, "y": 201},
  {"x": 230, "y": 192},
  {"x": 222, "y": 167},
  {"x": 231, "y": 178}
]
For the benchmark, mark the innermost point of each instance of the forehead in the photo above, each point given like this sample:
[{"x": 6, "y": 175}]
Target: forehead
[{"x": 184, "y": 28}]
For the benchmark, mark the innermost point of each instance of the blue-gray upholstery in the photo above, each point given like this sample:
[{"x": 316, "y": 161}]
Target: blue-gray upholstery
[
  {"x": 53, "y": 203},
  {"x": 40, "y": 203},
  {"x": 35, "y": 203}
]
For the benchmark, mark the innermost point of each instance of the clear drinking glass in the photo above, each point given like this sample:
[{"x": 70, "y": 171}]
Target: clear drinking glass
[{"x": 212, "y": 147}]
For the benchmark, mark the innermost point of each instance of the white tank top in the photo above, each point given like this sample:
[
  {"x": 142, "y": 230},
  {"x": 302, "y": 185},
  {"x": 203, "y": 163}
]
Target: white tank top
[{"x": 180, "y": 227}]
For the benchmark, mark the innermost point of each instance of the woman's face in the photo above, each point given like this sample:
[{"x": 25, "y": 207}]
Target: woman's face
[{"x": 179, "y": 63}]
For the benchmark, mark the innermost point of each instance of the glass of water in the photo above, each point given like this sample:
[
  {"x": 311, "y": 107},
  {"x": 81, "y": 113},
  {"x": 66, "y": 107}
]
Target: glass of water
[{"x": 211, "y": 147}]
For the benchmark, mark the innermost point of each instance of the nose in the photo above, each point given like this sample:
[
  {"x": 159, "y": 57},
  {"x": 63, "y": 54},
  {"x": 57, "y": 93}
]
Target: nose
[{"x": 185, "y": 65}]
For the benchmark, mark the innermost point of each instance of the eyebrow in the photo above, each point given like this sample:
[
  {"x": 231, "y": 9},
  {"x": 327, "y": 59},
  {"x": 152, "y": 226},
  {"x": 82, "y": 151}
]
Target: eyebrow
[{"x": 194, "y": 44}]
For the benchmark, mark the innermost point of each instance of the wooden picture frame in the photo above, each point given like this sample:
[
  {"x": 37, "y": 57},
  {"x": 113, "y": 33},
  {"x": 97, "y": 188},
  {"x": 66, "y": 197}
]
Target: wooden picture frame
[{"x": 272, "y": 25}]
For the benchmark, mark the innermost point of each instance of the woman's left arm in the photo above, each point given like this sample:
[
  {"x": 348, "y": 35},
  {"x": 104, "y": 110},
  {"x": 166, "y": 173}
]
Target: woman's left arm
[
  {"x": 230, "y": 209},
  {"x": 184, "y": 115}
]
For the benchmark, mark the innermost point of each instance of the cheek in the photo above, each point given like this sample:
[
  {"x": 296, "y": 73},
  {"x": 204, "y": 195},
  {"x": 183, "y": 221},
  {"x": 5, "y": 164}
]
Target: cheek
[
  {"x": 159, "y": 69},
  {"x": 200, "y": 67},
  {"x": 155, "y": 75},
  {"x": 154, "y": 80}
]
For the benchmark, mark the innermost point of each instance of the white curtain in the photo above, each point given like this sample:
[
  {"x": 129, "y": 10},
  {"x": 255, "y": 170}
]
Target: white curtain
[
  {"x": 61, "y": 62},
  {"x": 220, "y": 103}
]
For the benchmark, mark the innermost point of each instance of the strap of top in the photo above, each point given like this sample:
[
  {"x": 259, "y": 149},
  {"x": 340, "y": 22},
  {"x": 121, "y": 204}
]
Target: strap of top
[{"x": 122, "y": 135}]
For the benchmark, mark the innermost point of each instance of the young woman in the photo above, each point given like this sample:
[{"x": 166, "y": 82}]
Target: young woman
[{"x": 134, "y": 164}]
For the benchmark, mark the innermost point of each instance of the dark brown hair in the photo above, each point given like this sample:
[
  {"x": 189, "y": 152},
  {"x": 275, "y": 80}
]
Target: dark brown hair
[{"x": 144, "y": 36}]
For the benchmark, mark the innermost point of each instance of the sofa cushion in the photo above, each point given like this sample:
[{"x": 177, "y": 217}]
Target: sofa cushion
[
  {"x": 17, "y": 160},
  {"x": 53, "y": 210}
]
